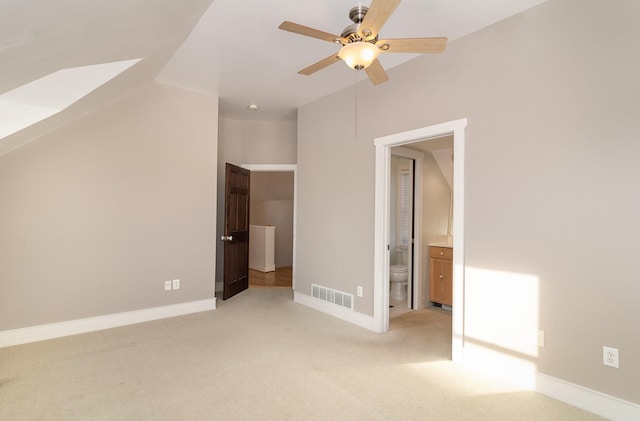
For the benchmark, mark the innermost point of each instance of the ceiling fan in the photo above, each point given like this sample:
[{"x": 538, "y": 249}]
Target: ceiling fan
[{"x": 361, "y": 44}]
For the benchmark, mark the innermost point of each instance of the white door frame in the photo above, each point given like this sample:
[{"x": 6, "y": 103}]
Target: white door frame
[
  {"x": 416, "y": 247},
  {"x": 381, "y": 237},
  {"x": 283, "y": 168}
]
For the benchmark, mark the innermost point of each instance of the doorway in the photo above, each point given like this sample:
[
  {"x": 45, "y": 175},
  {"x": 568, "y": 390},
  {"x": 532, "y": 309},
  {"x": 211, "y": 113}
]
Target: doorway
[
  {"x": 381, "y": 238},
  {"x": 403, "y": 226},
  {"x": 276, "y": 209}
]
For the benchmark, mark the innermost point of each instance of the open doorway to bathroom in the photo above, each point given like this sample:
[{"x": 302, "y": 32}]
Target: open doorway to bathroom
[
  {"x": 420, "y": 217},
  {"x": 383, "y": 146},
  {"x": 402, "y": 271}
]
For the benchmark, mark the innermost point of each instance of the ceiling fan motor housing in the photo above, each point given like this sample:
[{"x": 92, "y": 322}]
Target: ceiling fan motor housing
[{"x": 357, "y": 15}]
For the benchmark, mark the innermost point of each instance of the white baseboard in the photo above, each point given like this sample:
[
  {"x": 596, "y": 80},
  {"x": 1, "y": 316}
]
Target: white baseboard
[
  {"x": 606, "y": 406},
  {"x": 609, "y": 407},
  {"x": 342, "y": 313},
  {"x": 268, "y": 268},
  {"x": 74, "y": 327}
]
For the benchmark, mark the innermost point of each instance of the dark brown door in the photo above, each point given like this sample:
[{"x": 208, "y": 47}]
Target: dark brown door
[{"x": 236, "y": 231}]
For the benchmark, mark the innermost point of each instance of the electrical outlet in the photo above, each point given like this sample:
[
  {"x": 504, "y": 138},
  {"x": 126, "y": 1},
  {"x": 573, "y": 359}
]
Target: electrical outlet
[
  {"x": 176, "y": 284},
  {"x": 541, "y": 338},
  {"x": 359, "y": 291},
  {"x": 610, "y": 357},
  {"x": 167, "y": 285}
]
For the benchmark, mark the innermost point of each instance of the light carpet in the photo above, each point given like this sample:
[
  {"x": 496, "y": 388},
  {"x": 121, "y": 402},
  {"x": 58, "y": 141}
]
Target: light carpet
[{"x": 260, "y": 356}]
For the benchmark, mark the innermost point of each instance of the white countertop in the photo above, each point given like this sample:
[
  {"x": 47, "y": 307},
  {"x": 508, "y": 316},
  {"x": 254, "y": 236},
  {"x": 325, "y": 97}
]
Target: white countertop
[{"x": 441, "y": 244}]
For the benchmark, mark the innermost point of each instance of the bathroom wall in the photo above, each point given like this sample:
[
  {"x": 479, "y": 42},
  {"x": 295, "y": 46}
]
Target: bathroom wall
[
  {"x": 272, "y": 204},
  {"x": 436, "y": 194}
]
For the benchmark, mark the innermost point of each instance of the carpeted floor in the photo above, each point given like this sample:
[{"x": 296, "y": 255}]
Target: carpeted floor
[{"x": 260, "y": 356}]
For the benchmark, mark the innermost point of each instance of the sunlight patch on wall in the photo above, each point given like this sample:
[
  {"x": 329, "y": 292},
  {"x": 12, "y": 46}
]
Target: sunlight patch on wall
[
  {"x": 42, "y": 98},
  {"x": 502, "y": 322}
]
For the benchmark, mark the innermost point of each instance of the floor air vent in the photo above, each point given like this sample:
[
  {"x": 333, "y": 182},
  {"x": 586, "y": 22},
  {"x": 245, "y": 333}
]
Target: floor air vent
[{"x": 331, "y": 295}]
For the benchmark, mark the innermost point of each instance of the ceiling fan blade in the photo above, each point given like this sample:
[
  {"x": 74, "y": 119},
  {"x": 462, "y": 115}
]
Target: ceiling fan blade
[
  {"x": 376, "y": 73},
  {"x": 320, "y": 65},
  {"x": 413, "y": 45},
  {"x": 378, "y": 13},
  {"x": 310, "y": 32}
]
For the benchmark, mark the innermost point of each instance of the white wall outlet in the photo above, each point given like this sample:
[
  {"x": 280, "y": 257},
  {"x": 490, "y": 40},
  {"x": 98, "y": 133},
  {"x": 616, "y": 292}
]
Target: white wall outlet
[
  {"x": 359, "y": 289},
  {"x": 176, "y": 284},
  {"x": 541, "y": 338},
  {"x": 610, "y": 357},
  {"x": 167, "y": 285}
]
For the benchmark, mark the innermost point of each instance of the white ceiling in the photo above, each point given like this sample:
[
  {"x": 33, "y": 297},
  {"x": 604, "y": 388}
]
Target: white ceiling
[
  {"x": 41, "y": 37},
  {"x": 238, "y": 52},
  {"x": 231, "y": 48}
]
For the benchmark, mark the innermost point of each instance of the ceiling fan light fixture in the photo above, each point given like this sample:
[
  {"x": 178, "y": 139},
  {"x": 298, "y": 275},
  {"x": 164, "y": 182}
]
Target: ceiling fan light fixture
[{"x": 359, "y": 55}]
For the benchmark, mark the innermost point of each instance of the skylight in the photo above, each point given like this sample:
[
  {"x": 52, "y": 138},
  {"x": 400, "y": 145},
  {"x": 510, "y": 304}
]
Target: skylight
[{"x": 44, "y": 97}]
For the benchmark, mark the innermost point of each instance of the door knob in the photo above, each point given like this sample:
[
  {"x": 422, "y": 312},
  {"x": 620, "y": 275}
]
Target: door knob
[{"x": 227, "y": 238}]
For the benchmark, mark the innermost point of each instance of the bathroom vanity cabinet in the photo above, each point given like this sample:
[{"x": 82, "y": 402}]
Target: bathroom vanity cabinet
[{"x": 441, "y": 274}]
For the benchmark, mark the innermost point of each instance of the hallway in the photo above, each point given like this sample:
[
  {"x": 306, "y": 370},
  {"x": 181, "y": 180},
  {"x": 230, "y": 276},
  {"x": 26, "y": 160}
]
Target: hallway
[{"x": 281, "y": 277}]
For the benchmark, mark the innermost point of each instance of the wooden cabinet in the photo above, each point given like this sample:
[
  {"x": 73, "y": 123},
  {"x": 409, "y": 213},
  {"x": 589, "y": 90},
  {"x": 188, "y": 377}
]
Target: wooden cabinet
[{"x": 441, "y": 274}]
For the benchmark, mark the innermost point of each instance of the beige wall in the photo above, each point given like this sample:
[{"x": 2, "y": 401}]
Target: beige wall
[
  {"x": 96, "y": 215},
  {"x": 250, "y": 142},
  {"x": 436, "y": 202},
  {"x": 551, "y": 201},
  {"x": 272, "y": 204}
]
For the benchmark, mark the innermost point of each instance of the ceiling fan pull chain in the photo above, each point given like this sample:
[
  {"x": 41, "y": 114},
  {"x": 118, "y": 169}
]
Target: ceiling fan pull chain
[{"x": 356, "y": 119}]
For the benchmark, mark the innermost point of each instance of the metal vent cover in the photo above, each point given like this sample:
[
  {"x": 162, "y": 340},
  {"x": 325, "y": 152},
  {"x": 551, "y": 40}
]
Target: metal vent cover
[{"x": 333, "y": 296}]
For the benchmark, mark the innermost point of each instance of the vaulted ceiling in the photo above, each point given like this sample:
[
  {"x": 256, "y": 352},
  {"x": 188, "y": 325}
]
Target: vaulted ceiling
[{"x": 228, "y": 48}]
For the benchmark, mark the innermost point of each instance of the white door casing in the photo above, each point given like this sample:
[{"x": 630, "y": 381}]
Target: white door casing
[{"x": 381, "y": 237}]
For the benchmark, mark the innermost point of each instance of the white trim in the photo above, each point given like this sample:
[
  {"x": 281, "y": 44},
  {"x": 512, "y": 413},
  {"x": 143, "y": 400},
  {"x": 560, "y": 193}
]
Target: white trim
[
  {"x": 91, "y": 324},
  {"x": 381, "y": 240},
  {"x": 265, "y": 269},
  {"x": 526, "y": 377},
  {"x": 457, "y": 312},
  {"x": 607, "y": 406},
  {"x": 419, "y": 301},
  {"x": 270, "y": 167},
  {"x": 342, "y": 313},
  {"x": 381, "y": 236},
  {"x": 284, "y": 168}
]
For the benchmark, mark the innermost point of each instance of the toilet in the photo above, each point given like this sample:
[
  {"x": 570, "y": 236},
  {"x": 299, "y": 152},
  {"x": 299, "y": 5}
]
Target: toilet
[{"x": 399, "y": 275}]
